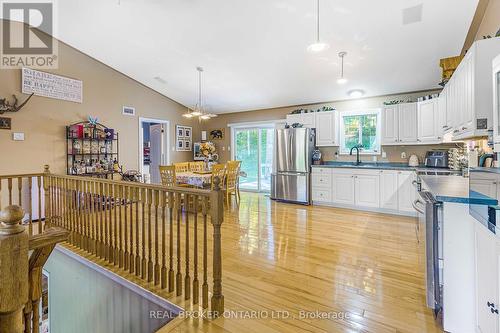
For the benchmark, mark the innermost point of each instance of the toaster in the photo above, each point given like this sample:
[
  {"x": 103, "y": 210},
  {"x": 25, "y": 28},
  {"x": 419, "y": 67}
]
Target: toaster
[{"x": 436, "y": 159}]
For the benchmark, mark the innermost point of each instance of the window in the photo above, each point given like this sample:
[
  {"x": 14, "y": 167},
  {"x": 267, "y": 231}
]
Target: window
[{"x": 360, "y": 127}]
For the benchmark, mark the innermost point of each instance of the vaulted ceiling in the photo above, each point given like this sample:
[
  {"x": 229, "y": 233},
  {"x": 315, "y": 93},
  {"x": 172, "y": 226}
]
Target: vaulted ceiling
[{"x": 255, "y": 52}]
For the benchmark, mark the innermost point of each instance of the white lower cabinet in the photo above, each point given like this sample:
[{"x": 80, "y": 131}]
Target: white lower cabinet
[
  {"x": 343, "y": 187},
  {"x": 486, "y": 257},
  {"x": 382, "y": 190},
  {"x": 406, "y": 191},
  {"x": 366, "y": 190},
  {"x": 389, "y": 189}
]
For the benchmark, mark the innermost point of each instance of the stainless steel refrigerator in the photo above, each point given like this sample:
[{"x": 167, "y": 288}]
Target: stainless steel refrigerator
[{"x": 293, "y": 157}]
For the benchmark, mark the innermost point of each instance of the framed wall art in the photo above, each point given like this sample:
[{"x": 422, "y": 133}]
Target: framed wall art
[
  {"x": 5, "y": 123},
  {"x": 216, "y": 134},
  {"x": 183, "y": 138}
]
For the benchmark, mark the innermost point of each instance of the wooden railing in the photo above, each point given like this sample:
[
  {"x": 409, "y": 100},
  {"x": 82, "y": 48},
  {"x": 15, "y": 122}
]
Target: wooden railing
[
  {"x": 21, "y": 271},
  {"x": 166, "y": 236}
]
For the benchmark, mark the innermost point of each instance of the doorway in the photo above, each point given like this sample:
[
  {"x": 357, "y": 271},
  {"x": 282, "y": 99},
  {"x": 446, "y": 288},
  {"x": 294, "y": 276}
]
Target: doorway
[
  {"x": 153, "y": 148},
  {"x": 254, "y": 147}
]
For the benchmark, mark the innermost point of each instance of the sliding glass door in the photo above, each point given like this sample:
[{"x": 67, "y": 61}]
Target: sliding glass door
[{"x": 254, "y": 148}]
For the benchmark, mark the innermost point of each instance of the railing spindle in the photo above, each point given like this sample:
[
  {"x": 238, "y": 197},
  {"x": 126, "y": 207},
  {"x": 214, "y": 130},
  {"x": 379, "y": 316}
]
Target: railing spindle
[
  {"x": 143, "y": 234},
  {"x": 171, "y": 242},
  {"x": 196, "y": 283},
  {"x": 39, "y": 183},
  {"x": 156, "y": 230},
  {"x": 9, "y": 186},
  {"x": 150, "y": 240},
  {"x": 126, "y": 202},
  {"x": 178, "y": 276},
  {"x": 131, "y": 234},
  {"x": 163, "y": 277},
  {"x": 30, "y": 202},
  {"x": 19, "y": 191},
  {"x": 187, "y": 277},
  {"x": 137, "y": 193},
  {"x": 204, "y": 287}
]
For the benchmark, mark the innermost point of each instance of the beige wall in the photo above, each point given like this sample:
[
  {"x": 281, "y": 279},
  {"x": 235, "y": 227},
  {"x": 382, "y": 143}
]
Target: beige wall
[
  {"x": 393, "y": 152},
  {"x": 105, "y": 91},
  {"x": 491, "y": 20}
]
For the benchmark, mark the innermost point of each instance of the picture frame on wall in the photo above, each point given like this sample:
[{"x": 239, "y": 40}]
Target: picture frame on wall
[
  {"x": 5, "y": 123},
  {"x": 216, "y": 134},
  {"x": 197, "y": 155},
  {"x": 183, "y": 138}
]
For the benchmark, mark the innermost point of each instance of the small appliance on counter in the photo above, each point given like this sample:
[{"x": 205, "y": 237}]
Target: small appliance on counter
[
  {"x": 413, "y": 161},
  {"x": 316, "y": 157},
  {"x": 436, "y": 159}
]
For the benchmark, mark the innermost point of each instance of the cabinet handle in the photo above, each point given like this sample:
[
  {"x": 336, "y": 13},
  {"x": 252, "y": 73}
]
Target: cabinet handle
[
  {"x": 490, "y": 305},
  {"x": 494, "y": 310}
]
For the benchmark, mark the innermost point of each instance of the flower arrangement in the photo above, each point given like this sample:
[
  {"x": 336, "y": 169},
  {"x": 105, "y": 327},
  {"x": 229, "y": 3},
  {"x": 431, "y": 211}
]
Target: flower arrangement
[{"x": 207, "y": 149}]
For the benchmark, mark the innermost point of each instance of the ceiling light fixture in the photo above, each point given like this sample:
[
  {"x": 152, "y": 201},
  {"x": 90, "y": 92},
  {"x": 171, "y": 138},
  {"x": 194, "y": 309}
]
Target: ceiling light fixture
[
  {"x": 342, "y": 79},
  {"x": 356, "y": 93},
  {"x": 318, "y": 46},
  {"x": 198, "y": 110}
]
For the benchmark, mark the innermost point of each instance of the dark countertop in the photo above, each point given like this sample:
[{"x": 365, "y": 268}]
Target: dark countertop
[
  {"x": 482, "y": 169},
  {"x": 454, "y": 189},
  {"x": 376, "y": 165}
]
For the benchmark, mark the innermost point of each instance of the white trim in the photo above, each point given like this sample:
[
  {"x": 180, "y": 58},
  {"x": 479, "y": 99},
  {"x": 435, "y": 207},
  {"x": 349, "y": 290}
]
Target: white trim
[
  {"x": 359, "y": 112},
  {"x": 256, "y": 123},
  {"x": 141, "y": 140}
]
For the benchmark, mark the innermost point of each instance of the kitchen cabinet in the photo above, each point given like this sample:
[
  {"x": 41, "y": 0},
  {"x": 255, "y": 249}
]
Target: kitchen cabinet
[
  {"x": 343, "y": 187},
  {"x": 443, "y": 125},
  {"x": 428, "y": 121},
  {"x": 326, "y": 133},
  {"x": 366, "y": 190},
  {"x": 390, "y": 124},
  {"x": 399, "y": 124},
  {"x": 408, "y": 123},
  {"x": 389, "y": 189},
  {"x": 406, "y": 191},
  {"x": 470, "y": 92},
  {"x": 496, "y": 103},
  {"x": 306, "y": 119},
  {"x": 487, "y": 256}
]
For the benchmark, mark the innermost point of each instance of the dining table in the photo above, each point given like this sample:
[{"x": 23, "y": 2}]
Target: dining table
[{"x": 194, "y": 179}]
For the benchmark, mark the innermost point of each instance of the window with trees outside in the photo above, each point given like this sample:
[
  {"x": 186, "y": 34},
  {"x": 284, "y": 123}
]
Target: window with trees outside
[{"x": 360, "y": 128}]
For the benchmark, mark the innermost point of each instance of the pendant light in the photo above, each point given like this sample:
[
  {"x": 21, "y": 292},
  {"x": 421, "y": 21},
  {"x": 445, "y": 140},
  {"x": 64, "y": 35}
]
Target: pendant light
[
  {"x": 342, "y": 79},
  {"x": 318, "y": 46},
  {"x": 198, "y": 110}
]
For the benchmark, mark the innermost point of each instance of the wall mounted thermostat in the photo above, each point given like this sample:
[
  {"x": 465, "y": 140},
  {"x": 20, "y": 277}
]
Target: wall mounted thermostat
[{"x": 18, "y": 136}]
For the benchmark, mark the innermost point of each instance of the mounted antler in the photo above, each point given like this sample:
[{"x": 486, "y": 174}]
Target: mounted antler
[{"x": 5, "y": 106}]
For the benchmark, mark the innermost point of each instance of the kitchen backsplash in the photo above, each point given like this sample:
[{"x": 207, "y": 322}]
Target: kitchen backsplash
[{"x": 393, "y": 153}]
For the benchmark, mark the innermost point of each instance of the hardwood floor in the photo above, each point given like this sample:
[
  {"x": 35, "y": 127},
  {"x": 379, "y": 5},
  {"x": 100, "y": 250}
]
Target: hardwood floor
[
  {"x": 363, "y": 271},
  {"x": 292, "y": 258}
]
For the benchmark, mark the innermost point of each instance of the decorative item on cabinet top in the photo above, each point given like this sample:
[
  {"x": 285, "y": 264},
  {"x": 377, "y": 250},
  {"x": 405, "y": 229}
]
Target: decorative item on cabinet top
[
  {"x": 6, "y": 106},
  {"x": 448, "y": 66},
  {"x": 322, "y": 109}
]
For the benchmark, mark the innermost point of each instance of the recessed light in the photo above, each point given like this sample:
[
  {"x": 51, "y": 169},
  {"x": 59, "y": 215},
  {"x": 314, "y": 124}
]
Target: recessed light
[
  {"x": 356, "y": 93},
  {"x": 342, "y": 80}
]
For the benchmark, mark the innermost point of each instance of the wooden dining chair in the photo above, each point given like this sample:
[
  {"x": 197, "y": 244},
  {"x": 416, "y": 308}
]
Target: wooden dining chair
[
  {"x": 218, "y": 170},
  {"x": 231, "y": 182},
  {"x": 167, "y": 174},
  {"x": 236, "y": 164},
  {"x": 196, "y": 166},
  {"x": 181, "y": 167}
]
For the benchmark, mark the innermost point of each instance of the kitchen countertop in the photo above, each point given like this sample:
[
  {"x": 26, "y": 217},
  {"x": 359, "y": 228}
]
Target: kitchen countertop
[
  {"x": 482, "y": 169},
  {"x": 377, "y": 165},
  {"x": 454, "y": 189}
]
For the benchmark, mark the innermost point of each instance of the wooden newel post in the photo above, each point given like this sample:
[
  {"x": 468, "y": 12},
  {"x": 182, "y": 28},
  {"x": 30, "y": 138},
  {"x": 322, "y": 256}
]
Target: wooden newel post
[
  {"x": 13, "y": 269},
  {"x": 217, "y": 212},
  {"x": 46, "y": 173}
]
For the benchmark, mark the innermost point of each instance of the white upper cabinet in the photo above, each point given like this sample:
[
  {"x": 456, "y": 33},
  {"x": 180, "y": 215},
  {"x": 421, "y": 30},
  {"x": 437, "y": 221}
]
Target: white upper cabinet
[
  {"x": 443, "y": 125},
  {"x": 390, "y": 124},
  {"x": 326, "y": 134},
  {"x": 496, "y": 102},
  {"x": 428, "y": 121},
  {"x": 470, "y": 91},
  {"x": 408, "y": 123},
  {"x": 399, "y": 124},
  {"x": 306, "y": 119}
]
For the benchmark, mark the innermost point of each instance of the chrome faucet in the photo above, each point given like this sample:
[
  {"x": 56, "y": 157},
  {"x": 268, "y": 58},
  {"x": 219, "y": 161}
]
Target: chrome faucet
[{"x": 357, "y": 147}]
